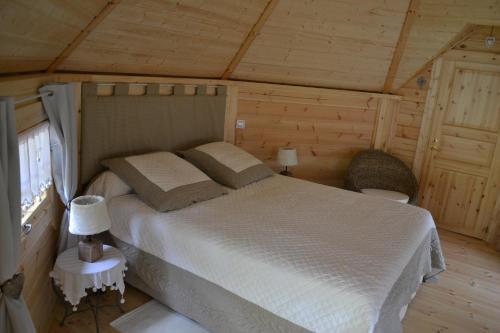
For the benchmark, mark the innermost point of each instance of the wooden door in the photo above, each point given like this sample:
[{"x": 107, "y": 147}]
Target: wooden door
[{"x": 462, "y": 169}]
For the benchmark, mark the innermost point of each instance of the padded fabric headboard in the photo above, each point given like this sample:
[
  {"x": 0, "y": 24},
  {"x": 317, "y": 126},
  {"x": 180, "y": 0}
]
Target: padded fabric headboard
[{"x": 123, "y": 124}]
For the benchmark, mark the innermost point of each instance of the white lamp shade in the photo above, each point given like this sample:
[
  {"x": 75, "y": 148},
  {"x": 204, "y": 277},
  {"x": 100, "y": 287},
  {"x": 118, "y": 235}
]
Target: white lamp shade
[
  {"x": 88, "y": 215},
  {"x": 287, "y": 156}
]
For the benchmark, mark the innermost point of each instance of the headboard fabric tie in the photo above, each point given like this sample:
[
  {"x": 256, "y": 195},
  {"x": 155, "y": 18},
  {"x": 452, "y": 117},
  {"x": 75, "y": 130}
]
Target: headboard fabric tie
[
  {"x": 121, "y": 89},
  {"x": 153, "y": 89}
]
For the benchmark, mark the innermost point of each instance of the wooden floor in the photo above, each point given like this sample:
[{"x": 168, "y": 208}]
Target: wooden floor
[{"x": 466, "y": 298}]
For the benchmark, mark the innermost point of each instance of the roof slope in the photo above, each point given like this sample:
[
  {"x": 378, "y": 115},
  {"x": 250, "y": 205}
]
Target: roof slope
[
  {"x": 331, "y": 43},
  {"x": 34, "y": 33},
  {"x": 176, "y": 38},
  {"x": 327, "y": 43}
]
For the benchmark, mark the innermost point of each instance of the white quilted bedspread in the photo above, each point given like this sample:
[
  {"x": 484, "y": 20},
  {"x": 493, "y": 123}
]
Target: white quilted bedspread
[{"x": 320, "y": 257}]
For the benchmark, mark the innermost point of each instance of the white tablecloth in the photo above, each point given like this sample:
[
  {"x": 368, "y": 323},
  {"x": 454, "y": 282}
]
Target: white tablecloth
[{"x": 74, "y": 276}]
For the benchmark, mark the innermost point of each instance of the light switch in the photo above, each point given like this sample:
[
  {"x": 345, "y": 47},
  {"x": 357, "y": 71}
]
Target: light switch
[{"x": 240, "y": 123}]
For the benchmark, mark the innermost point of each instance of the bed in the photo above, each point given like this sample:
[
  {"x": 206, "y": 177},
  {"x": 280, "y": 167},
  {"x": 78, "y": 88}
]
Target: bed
[
  {"x": 279, "y": 255},
  {"x": 299, "y": 256}
]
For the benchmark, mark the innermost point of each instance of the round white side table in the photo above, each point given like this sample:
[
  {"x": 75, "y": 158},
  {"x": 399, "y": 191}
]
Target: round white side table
[{"x": 77, "y": 279}]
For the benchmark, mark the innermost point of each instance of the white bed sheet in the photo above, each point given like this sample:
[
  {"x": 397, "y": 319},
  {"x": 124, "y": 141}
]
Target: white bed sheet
[{"x": 320, "y": 257}]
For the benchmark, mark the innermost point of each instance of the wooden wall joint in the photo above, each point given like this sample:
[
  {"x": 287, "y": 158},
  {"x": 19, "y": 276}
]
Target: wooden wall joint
[
  {"x": 96, "y": 20},
  {"x": 401, "y": 44},
  {"x": 254, "y": 32}
]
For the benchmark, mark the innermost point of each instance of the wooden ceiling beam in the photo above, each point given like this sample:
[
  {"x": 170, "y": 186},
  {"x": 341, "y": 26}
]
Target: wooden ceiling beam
[
  {"x": 107, "y": 9},
  {"x": 411, "y": 13},
  {"x": 254, "y": 32},
  {"x": 462, "y": 36}
]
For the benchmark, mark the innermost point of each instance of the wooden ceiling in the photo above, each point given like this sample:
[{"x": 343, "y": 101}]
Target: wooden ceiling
[
  {"x": 327, "y": 43},
  {"x": 34, "y": 33},
  {"x": 177, "y": 38},
  {"x": 342, "y": 44}
]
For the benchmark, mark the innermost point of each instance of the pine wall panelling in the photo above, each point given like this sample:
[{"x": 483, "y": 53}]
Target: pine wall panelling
[
  {"x": 327, "y": 127},
  {"x": 39, "y": 249}
]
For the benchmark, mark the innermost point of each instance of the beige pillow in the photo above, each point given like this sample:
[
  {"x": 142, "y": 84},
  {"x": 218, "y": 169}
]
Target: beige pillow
[
  {"x": 227, "y": 164},
  {"x": 164, "y": 181}
]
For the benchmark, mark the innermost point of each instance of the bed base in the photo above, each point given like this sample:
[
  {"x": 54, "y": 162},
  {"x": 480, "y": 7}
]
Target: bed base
[
  {"x": 213, "y": 307},
  {"x": 221, "y": 311}
]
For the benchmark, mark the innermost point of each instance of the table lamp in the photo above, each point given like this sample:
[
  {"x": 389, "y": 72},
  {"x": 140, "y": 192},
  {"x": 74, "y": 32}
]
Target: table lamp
[
  {"x": 287, "y": 157},
  {"x": 89, "y": 216}
]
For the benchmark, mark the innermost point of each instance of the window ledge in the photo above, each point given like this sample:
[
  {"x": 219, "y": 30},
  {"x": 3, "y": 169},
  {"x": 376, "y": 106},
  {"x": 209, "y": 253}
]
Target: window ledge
[{"x": 37, "y": 212}]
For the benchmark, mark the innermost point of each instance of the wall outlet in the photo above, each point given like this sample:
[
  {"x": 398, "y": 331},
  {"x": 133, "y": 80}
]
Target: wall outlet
[{"x": 240, "y": 123}]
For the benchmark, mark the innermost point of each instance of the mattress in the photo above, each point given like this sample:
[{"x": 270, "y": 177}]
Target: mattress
[{"x": 322, "y": 258}]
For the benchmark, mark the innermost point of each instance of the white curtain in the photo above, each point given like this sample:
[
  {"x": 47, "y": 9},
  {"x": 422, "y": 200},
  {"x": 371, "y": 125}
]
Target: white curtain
[
  {"x": 14, "y": 315},
  {"x": 34, "y": 156},
  {"x": 61, "y": 109}
]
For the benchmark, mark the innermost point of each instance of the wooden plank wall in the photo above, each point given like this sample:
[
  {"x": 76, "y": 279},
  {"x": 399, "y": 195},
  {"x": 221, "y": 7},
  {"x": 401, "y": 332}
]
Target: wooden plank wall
[
  {"x": 38, "y": 248},
  {"x": 327, "y": 127}
]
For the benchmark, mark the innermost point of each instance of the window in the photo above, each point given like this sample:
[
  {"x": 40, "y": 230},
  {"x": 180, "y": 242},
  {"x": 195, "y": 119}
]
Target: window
[{"x": 36, "y": 176}]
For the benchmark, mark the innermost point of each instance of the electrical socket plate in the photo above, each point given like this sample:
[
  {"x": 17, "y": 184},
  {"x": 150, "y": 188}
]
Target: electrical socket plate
[{"x": 240, "y": 123}]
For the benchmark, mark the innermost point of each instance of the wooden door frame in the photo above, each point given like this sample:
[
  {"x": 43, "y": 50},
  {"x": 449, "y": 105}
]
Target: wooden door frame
[
  {"x": 433, "y": 113},
  {"x": 434, "y": 110},
  {"x": 492, "y": 221},
  {"x": 426, "y": 124}
]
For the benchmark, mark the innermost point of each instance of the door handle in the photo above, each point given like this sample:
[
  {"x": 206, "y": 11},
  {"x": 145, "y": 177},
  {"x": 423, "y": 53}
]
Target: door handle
[{"x": 435, "y": 144}]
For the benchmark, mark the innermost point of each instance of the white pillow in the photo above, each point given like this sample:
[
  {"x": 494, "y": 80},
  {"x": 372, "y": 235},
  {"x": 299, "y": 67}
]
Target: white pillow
[{"x": 108, "y": 185}]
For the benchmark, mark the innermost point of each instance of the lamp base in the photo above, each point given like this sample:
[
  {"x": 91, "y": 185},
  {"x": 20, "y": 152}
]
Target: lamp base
[
  {"x": 286, "y": 173},
  {"x": 90, "y": 250}
]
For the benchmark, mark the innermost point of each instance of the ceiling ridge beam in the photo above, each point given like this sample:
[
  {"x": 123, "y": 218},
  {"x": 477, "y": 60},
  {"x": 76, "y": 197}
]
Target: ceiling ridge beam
[
  {"x": 462, "y": 36},
  {"x": 411, "y": 13},
  {"x": 96, "y": 20},
  {"x": 254, "y": 32}
]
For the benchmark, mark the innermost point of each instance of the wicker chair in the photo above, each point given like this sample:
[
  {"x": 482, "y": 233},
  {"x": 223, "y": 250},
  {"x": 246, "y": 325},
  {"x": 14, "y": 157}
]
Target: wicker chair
[{"x": 376, "y": 169}]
